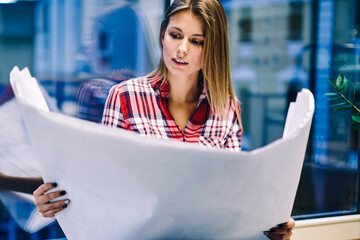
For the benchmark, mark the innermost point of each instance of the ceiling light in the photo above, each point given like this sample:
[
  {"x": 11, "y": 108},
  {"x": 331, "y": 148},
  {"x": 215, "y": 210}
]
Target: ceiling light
[{"x": 7, "y": 1}]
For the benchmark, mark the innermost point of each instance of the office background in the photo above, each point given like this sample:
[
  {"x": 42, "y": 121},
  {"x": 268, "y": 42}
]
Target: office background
[{"x": 277, "y": 48}]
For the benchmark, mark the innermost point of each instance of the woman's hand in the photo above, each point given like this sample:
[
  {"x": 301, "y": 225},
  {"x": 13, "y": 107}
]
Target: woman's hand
[
  {"x": 282, "y": 231},
  {"x": 42, "y": 200}
]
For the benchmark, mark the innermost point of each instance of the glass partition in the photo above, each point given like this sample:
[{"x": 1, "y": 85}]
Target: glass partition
[
  {"x": 77, "y": 50},
  {"x": 280, "y": 47}
]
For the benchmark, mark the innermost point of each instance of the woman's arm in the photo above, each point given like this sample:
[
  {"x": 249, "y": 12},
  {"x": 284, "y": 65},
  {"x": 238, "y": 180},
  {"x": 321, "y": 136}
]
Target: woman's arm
[{"x": 19, "y": 184}]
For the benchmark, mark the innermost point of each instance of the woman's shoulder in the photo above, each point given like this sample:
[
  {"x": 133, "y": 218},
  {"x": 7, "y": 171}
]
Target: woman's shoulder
[{"x": 232, "y": 104}]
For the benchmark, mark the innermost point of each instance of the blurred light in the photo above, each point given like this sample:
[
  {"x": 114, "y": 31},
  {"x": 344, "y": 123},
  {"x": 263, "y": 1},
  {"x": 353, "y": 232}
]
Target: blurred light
[{"x": 7, "y": 1}]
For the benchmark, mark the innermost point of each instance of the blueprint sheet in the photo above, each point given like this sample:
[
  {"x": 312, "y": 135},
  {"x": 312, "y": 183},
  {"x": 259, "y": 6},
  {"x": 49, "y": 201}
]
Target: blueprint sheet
[{"x": 126, "y": 186}]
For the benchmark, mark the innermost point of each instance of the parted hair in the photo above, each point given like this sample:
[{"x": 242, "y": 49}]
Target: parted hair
[{"x": 215, "y": 72}]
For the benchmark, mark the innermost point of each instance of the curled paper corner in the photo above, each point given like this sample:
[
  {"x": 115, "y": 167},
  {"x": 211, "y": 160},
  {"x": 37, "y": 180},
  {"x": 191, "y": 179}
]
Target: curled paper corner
[
  {"x": 30, "y": 91},
  {"x": 299, "y": 115}
]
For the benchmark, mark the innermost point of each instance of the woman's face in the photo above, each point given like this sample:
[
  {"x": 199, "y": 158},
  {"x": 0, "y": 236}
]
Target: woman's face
[{"x": 183, "y": 44}]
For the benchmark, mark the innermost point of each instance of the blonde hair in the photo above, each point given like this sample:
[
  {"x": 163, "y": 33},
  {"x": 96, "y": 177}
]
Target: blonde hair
[{"x": 215, "y": 72}]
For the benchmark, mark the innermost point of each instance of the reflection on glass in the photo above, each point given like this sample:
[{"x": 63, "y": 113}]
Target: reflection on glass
[
  {"x": 280, "y": 47},
  {"x": 77, "y": 49},
  {"x": 271, "y": 60},
  {"x": 103, "y": 42}
]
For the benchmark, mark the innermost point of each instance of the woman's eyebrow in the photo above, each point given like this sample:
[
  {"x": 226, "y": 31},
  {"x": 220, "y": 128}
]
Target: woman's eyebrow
[{"x": 196, "y": 34}]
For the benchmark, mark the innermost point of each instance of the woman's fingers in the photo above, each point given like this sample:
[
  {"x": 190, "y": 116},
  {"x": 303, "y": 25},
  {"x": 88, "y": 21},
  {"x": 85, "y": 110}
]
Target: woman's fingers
[
  {"x": 289, "y": 224},
  {"x": 282, "y": 231},
  {"x": 44, "y": 208},
  {"x": 52, "y": 212},
  {"x": 44, "y": 188},
  {"x": 44, "y": 201},
  {"x": 279, "y": 236}
]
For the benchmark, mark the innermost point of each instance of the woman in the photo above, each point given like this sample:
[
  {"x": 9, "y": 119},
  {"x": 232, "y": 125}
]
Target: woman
[{"x": 189, "y": 97}]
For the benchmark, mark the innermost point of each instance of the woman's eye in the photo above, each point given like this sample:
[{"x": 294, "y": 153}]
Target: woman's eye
[
  {"x": 197, "y": 42},
  {"x": 176, "y": 36}
]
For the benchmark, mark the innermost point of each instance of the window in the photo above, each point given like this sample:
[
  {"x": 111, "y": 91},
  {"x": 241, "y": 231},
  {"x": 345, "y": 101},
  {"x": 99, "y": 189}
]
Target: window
[{"x": 283, "y": 47}]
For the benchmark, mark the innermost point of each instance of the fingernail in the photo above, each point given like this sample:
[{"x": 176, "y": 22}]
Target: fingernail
[
  {"x": 67, "y": 201},
  {"x": 62, "y": 193},
  {"x": 54, "y": 184},
  {"x": 65, "y": 206}
]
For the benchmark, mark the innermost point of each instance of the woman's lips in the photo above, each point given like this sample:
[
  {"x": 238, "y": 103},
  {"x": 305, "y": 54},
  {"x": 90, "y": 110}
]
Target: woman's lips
[{"x": 179, "y": 62}]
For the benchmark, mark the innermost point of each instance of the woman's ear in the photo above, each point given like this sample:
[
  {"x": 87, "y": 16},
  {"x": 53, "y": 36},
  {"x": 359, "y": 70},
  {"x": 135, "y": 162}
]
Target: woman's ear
[{"x": 162, "y": 38}]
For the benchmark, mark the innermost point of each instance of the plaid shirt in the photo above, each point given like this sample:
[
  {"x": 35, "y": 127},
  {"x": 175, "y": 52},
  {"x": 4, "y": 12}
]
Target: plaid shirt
[{"x": 140, "y": 105}]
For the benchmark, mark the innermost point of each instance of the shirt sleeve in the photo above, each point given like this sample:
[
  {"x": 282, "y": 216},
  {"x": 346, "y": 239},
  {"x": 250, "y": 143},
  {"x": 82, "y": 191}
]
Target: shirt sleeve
[
  {"x": 233, "y": 142},
  {"x": 113, "y": 110}
]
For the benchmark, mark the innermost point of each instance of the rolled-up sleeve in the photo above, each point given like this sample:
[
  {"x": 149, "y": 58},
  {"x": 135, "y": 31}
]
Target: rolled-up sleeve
[
  {"x": 113, "y": 115},
  {"x": 233, "y": 142}
]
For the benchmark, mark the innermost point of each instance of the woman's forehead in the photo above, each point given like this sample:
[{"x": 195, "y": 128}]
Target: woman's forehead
[{"x": 187, "y": 22}]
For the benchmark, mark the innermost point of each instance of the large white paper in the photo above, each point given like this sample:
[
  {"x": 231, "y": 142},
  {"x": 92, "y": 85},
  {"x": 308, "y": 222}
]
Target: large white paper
[
  {"x": 126, "y": 186},
  {"x": 17, "y": 158}
]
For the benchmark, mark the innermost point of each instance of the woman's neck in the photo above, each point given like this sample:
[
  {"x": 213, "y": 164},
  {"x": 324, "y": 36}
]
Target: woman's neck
[{"x": 184, "y": 89}]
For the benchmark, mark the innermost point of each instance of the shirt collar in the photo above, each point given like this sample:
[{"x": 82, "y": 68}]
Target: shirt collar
[{"x": 162, "y": 88}]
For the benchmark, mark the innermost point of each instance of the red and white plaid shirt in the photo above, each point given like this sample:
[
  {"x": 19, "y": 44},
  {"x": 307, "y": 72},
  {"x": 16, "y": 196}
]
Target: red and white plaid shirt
[{"x": 140, "y": 105}]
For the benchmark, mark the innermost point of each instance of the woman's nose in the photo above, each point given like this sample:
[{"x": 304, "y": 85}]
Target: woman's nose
[{"x": 183, "y": 48}]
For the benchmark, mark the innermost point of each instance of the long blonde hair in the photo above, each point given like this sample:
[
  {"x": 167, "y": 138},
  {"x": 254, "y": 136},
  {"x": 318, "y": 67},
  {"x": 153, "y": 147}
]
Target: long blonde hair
[{"x": 215, "y": 72}]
